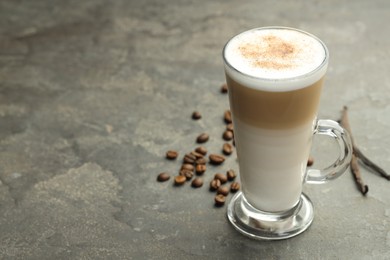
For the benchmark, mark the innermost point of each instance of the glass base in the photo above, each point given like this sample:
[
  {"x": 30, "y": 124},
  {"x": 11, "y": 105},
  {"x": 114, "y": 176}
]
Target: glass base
[{"x": 269, "y": 226}]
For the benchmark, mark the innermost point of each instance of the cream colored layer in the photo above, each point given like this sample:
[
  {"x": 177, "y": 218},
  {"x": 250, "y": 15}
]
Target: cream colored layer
[
  {"x": 272, "y": 164},
  {"x": 274, "y": 110}
]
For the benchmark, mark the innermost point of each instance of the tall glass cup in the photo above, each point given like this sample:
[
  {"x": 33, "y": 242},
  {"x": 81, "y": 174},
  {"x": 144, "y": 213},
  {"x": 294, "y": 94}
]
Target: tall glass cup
[{"x": 274, "y": 76}]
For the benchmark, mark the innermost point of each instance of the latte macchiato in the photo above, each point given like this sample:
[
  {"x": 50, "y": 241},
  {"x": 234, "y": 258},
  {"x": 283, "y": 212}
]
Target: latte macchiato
[{"x": 274, "y": 76}]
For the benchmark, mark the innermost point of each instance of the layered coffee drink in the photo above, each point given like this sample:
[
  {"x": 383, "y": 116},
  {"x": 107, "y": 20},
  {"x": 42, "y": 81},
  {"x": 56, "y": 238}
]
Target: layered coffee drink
[{"x": 274, "y": 76}]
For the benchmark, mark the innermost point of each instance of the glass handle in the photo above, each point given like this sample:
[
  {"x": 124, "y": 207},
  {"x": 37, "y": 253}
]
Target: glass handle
[{"x": 334, "y": 130}]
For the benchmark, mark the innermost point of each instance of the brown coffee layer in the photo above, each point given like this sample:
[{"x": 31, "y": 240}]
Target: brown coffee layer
[{"x": 274, "y": 110}]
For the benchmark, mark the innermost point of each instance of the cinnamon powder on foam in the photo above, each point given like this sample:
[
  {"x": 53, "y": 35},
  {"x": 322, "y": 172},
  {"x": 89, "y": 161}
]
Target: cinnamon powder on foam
[{"x": 270, "y": 52}]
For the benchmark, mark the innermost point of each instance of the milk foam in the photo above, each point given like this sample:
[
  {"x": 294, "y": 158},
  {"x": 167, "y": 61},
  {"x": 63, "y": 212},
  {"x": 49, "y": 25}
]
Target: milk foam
[{"x": 275, "y": 59}]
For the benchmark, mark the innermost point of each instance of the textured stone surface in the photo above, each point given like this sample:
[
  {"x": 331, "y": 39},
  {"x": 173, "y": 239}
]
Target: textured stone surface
[{"x": 93, "y": 93}]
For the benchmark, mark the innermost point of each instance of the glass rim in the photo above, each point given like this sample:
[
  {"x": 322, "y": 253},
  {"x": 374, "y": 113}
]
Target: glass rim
[{"x": 277, "y": 80}]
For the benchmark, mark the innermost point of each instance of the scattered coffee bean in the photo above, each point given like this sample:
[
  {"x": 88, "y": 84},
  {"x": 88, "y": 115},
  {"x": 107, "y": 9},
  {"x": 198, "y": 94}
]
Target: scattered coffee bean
[
  {"x": 171, "y": 155},
  {"x": 180, "y": 180},
  {"x": 163, "y": 177},
  {"x": 201, "y": 161},
  {"x": 216, "y": 159},
  {"x": 219, "y": 200},
  {"x": 221, "y": 177},
  {"x": 196, "y": 115},
  {"x": 188, "y": 167},
  {"x": 200, "y": 169},
  {"x": 202, "y": 138},
  {"x": 187, "y": 174},
  {"x": 201, "y": 150},
  {"x": 227, "y": 149},
  {"x": 189, "y": 158},
  {"x": 230, "y": 127},
  {"x": 197, "y": 155},
  {"x": 215, "y": 184},
  {"x": 197, "y": 182},
  {"x": 224, "y": 190},
  {"x": 227, "y": 135},
  {"x": 234, "y": 187},
  {"x": 228, "y": 117},
  {"x": 231, "y": 175},
  {"x": 224, "y": 88},
  {"x": 310, "y": 161}
]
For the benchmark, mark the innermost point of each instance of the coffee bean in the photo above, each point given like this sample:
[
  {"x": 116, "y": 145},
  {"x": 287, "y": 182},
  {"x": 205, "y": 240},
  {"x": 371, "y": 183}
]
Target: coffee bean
[
  {"x": 216, "y": 159},
  {"x": 221, "y": 177},
  {"x": 200, "y": 169},
  {"x": 189, "y": 158},
  {"x": 197, "y": 182},
  {"x": 231, "y": 175},
  {"x": 234, "y": 187},
  {"x": 180, "y": 180},
  {"x": 196, "y": 115},
  {"x": 310, "y": 161},
  {"x": 163, "y": 177},
  {"x": 224, "y": 190},
  {"x": 227, "y": 149},
  {"x": 230, "y": 127},
  {"x": 197, "y": 155},
  {"x": 219, "y": 200},
  {"x": 202, "y": 138},
  {"x": 224, "y": 88},
  {"x": 201, "y": 161},
  {"x": 215, "y": 184},
  {"x": 201, "y": 150},
  {"x": 187, "y": 174},
  {"x": 171, "y": 154},
  {"x": 188, "y": 167},
  {"x": 227, "y": 117},
  {"x": 227, "y": 135}
]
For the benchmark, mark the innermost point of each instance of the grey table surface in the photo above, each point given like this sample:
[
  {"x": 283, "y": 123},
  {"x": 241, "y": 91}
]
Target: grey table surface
[{"x": 93, "y": 93}]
